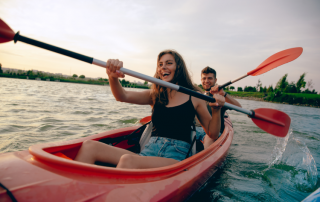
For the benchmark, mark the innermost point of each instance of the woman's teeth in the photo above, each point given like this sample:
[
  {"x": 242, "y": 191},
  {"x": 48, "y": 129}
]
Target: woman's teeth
[{"x": 165, "y": 75}]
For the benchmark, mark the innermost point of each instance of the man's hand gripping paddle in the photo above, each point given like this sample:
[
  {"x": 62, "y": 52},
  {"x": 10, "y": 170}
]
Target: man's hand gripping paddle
[{"x": 270, "y": 120}]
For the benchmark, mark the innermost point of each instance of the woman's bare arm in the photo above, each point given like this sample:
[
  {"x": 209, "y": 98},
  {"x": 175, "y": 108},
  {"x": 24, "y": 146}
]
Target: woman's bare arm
[
  {"x": 210, "y": 123},
  {"x": 119, "y": 92}
]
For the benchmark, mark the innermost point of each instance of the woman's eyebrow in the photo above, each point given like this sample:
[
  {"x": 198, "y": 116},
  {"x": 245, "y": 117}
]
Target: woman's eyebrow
[{"x": 166, "y": 61}]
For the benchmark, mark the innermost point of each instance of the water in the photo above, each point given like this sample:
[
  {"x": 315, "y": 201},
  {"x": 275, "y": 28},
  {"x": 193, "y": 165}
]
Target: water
[
  {"x": 34, "y": 112},
  {"x": 259, "y": 166}
]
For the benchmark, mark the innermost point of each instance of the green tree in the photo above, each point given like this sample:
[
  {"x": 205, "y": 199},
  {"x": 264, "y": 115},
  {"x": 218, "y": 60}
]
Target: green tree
[
  {"x": 240, "y": 89},
  {"x": 310, "y": 84},
  {"x": 270, "y": 89},
  {"x": 291, "y": 88},
  {"x": 232, "y": 88},
  {"x": 260, "y": 89},
  {"x": 145, "y": 82},
  {"x": 29, "y": 73},
  {"x": 259, "y": 85},
  {"x": 82, "y": 76},
  {"x": 282, "y": 83},
  {"x": 250, "y": 89},
  {"x": 1, "y": 69},
  {"x": 74, "y": 76},
  {"x": 301, "y": 83}
]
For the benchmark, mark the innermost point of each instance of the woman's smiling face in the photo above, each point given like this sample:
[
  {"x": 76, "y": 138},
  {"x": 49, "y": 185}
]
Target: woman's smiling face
[{"x": 166, "y": 67}]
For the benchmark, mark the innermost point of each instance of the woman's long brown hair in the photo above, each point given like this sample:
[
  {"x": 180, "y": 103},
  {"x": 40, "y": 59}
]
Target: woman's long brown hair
[{"x": 181, "y": 77}]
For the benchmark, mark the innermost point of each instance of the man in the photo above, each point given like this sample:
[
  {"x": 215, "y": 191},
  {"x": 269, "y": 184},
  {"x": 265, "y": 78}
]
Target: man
[{"x": 208, "y": 81}]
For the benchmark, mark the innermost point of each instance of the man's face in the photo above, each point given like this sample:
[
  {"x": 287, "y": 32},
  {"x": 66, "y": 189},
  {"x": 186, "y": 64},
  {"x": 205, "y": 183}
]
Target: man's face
[{"x": 208, "y": 80}]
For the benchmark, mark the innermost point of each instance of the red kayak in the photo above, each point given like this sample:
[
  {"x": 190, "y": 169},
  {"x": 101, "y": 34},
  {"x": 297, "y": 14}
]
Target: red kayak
[{"x": 47, "y": 172}]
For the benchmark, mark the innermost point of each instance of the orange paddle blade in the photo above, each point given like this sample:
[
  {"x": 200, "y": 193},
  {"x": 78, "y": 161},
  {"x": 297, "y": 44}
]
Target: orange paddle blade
[
  {"x": 6, "y": 33},
  {"x": 276, "y": 60},
  {"x": 272, "y": 121},
  {"x": 145, "y": 120}
]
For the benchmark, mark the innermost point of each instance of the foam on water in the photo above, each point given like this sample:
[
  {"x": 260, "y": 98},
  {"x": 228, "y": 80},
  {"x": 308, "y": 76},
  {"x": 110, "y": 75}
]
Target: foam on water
[{"x": 292, "y": 165}]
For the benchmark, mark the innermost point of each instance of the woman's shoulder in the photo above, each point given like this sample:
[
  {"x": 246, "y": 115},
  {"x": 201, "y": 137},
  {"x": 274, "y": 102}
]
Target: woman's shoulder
[{"x": 197, "y": 101}]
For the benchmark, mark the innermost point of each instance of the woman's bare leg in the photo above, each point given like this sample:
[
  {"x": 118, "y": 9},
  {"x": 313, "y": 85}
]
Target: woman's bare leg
[
  {"x": 207, "y": 141},
  {"x": 92, "y": 151},
  {"x": 142, "y": 162}
]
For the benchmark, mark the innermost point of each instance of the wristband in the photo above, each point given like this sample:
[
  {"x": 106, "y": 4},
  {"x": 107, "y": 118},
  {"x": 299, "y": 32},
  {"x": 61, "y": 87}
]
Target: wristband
[{"x": 225, "y": 94}]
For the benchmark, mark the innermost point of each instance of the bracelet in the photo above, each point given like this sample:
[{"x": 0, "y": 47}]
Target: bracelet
[{"x": 225, "y": 94}]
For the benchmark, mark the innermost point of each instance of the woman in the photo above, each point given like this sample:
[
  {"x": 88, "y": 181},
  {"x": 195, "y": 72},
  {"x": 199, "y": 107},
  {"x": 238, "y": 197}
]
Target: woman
[{"x": 172, "y": 115}]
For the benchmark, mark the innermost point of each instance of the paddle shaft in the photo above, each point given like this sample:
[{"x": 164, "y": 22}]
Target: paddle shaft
[
  {"x": 172, "y": 86},
  {"x": 103, "y": 64},
  {"x": 272, "y": 121},
  {"x": 56, "y": 49},
  {"x": 231, "y": 82}
]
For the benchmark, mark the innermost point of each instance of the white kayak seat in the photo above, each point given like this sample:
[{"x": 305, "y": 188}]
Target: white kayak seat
[{"x": 146, "y": 135}]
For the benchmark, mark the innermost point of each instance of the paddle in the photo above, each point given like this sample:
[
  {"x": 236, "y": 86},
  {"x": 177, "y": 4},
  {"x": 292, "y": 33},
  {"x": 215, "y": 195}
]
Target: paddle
[
  {"x": 145, "y": 120},
  {"x": 270, "y": 120},
  {"x": 270, "y": 63}
]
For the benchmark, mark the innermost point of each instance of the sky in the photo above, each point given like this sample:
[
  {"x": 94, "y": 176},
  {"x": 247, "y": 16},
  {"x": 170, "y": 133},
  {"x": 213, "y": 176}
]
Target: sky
[{"x": 233, "y": 37}]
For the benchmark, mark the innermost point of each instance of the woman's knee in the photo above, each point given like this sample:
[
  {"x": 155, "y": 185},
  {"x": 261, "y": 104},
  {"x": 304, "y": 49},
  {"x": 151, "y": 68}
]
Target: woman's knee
[
  {"x": 89, "y": 144},
  {"x": 127, "y": 161}
]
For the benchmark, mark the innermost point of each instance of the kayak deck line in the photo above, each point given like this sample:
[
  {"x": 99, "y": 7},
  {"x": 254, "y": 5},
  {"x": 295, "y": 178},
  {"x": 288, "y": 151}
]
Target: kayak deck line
[{"x": 39, "y": 175}]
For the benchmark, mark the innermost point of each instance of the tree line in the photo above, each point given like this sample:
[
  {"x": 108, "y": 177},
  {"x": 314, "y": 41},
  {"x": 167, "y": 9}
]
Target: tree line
[
  {"x": 282, "y": 85},
  {"x": 30, "y": 74}
]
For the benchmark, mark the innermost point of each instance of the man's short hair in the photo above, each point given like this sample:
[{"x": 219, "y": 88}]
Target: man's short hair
[{"x": 208, "y": 70}]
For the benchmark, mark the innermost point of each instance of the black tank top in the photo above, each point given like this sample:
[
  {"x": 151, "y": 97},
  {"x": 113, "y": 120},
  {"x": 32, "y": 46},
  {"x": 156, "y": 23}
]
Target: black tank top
[{"x": 173, "y": 122}]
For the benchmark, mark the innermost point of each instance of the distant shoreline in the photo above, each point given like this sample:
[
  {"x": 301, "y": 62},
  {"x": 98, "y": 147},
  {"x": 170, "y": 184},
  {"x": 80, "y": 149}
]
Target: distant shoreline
[
  {"x": 262, "y": 100},
  {"x": 70, "y": 80}
]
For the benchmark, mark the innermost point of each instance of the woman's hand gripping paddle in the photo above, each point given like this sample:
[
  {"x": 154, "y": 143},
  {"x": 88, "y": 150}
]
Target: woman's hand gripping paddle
[
  {"x": 272, "y": 62},
  {"x": 270, "y": 120}
]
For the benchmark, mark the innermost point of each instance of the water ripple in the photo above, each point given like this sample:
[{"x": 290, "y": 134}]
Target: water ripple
[{"x": 259, "y": 166}]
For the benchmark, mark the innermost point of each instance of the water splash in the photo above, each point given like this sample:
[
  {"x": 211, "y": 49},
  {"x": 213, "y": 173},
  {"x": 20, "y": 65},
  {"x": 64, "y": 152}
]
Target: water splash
[
  {"x": 279, "y": 149},
  {"x": 293, "y": 163}
]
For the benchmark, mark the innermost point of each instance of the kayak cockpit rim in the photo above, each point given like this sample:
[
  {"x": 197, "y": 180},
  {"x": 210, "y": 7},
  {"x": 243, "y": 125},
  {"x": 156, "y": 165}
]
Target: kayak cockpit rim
[{"x": 43, "y": 153}]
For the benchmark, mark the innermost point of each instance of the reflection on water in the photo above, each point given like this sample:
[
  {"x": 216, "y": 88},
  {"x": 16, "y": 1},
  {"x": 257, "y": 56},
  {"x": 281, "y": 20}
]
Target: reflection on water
[{"x": 34, "y": 112}]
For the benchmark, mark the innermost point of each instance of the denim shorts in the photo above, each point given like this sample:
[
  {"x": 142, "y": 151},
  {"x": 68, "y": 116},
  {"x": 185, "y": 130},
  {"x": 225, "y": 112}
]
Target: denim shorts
[
  {"x": 166, "y": 147},
  {"x": 200, "y": 134}
]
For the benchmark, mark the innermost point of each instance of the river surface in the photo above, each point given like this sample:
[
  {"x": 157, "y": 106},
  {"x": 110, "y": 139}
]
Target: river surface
[{"x": 259, "y": 166}]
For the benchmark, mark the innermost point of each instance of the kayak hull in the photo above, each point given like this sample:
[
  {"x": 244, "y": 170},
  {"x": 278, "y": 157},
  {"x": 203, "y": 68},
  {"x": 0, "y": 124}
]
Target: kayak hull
[{"x": 39, "y": 175}]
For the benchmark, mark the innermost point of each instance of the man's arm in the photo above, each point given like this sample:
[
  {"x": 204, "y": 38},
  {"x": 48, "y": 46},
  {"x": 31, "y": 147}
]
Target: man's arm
[
  {"x": 231, "y": 100},
  {"x": 228, "y": 97}
]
